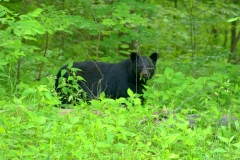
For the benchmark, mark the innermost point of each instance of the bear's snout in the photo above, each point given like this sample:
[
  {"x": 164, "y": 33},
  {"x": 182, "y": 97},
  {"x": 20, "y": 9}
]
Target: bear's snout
[{"x": 145, "y": 73}]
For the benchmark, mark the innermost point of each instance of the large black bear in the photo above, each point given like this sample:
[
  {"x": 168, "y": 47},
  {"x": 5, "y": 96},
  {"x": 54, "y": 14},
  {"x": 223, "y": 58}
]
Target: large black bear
[{"x": 112, "y": 78}]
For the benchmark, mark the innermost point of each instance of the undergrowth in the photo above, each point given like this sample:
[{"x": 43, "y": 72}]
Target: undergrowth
[{"x": 185, "y": 117}]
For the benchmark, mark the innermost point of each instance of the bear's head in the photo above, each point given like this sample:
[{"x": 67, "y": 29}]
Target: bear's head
[{"x": 143, "y": 66}]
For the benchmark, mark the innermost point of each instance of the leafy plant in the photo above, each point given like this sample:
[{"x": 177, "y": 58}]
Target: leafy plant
[{"x": 192, "y": 103}]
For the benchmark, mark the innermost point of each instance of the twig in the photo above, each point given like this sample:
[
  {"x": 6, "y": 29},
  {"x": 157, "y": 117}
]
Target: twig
[{"x": 179, "y": 108}]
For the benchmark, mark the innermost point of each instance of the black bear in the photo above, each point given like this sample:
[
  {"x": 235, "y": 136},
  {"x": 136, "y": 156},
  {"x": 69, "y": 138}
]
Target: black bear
[{"x": 112, "y": 78}]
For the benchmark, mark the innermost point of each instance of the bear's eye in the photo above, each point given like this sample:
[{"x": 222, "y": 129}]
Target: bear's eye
[{"x": 150, "y": 67}]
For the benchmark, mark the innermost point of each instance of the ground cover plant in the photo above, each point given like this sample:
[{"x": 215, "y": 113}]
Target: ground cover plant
[{"x": 192, "y": 103}]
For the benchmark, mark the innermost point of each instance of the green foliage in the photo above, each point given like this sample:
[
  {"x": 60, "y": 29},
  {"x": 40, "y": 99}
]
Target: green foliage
[
  {"x": 37, "y": 95},
  {"x": 192, "y": 103},
  {"x": 215, "y": 89},
  {"x": 105, "y": 130},
  {"x": 70, "y": 89}
]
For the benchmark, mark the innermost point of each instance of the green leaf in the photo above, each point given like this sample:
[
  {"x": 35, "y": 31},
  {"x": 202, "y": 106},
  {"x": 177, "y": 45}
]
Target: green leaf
[
  {"x": 103, "y": 145},
  {"x": 27, "y": 27},
  {"x": 28, "y": 92},
  {"x": 3, "y": 62},
  {"x": 233, "y": 19},
  {"x": 70, "y": 65},
  {"x": 121, "y": 121},
  {"x": 4, "y": 10},
  {"x": 171, "y": 139},
  {"x": 223, "y": 139},
  {"x": 2, "y": 13},
  {"x": 74, "y": 120},
  {"x": 29, "y": 38},
  {"x": 215, "y": 109},
  {"x": 219, "y": 150},
  {"x": 231, "y": 139},
  {"x": 63, "y": 72},
  {"x": 80, "y": 78},
  {"x": 212, "y": 84},
  {"x": 237, "y": 145},
  {"x": 70, "y": 78},
  {"x": 124, "y": 46},
  {"x": 48, "y": 95},
  {"x": 236, "y": 88},
  {"x": 109, "y": 22},
  {"x": 35, "y": 13},
  {"x": 2, "y": 130},
  {"x": 130, "y": 92},
  {"x": 168, "y": 72},
  {"x": 42, "y": 58},
  {"x": 124, "y": 52},
  {"x": 165, "y": 97}
]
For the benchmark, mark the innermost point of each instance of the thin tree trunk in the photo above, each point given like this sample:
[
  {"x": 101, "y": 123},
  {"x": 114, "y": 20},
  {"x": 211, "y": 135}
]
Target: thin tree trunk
[
  {"x": 45, "y": 53},
  {"x": 233, "y": 33},
  {"x": 233, "y": 49},
  {"x": 19, "y": 59},
  {"x": 214, "y": 32},
  {"x": 233, "y": 36},
  {"x": 98, "y": 44},
  {"x": 175, "y": 6},
  {"x": 192, "y": 30},
  {"x": 225, "y": 38}
]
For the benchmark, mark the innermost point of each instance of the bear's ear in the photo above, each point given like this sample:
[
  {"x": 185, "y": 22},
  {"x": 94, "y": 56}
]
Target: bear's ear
[
  {"x": 154, "y": 57},
  {"x": 133, "y": 56}
]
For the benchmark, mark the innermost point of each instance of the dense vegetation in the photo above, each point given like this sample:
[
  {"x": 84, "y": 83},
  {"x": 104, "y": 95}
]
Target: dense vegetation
[{"x": 192, "y": 107}]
